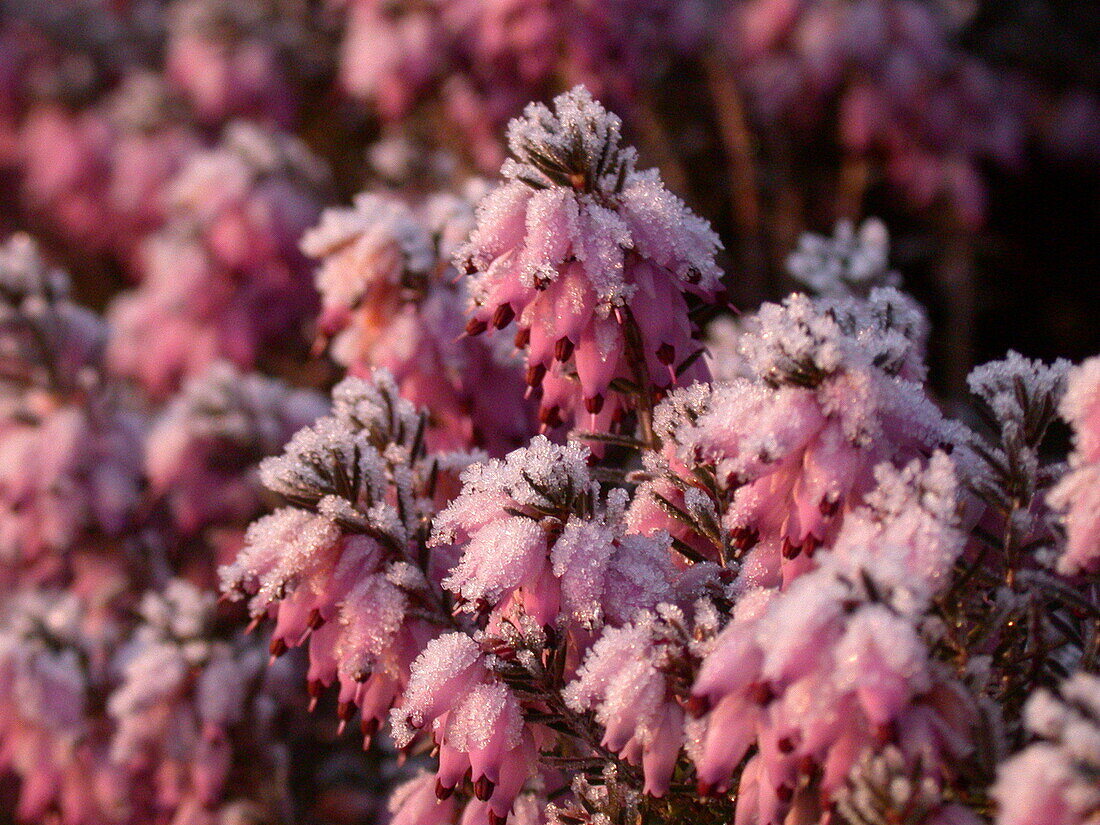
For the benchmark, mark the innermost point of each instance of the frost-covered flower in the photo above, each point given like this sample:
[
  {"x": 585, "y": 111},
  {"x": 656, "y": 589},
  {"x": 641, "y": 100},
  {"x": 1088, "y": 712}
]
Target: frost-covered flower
[
  {"x": 51, "y": 665},
  {"x": 339, "y": 567},
  {"x": 70, "y": 456},
  {"x": 189, "y": 708},
  {"x": 1054, "y": 780},
  {"x": 475, "y": 719},
  {"x": 389, "y": 298},
  {"x": 837, "y": 664},
  {"x": 766, "y": 466},
  {"x": 626, "y": 680},
  {"x": 532, "y": 532},
  {"x": 201, "y": 451},
  {"x": 592, "y": 259},
  {"x": 224, "y": 279},
  {"x": 1077, "y": 495}
]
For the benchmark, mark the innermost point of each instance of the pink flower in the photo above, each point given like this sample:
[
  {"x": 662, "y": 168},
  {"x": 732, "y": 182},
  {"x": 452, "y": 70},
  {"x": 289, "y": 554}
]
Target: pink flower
[
  {"x": 476, "y": 721},
  {"x": 591, "y": 258},
  {"x": 201, "y": 451},
  {"x": 625, "y": 679},
  {"x": 768, "y": 465},
  {"x": 836, "y": 665},
  {"x": 1077, "y": 495},
  {"x": 1053, "y": 780},
  {"x": 389, "y": 299}
]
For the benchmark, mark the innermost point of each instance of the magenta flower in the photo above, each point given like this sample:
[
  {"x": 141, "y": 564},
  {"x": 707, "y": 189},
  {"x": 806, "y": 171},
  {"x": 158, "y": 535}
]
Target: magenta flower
[
  {"x": 592, "y": 259},
  {"x": 476, "y": 721},
  {"x": 625, "y": 679},
  {"x": 202, "y": 450},
  {"x": 224, "y": 279},
  {"x": 836, "y": 665},
  {"x": 336, "y": 567}
]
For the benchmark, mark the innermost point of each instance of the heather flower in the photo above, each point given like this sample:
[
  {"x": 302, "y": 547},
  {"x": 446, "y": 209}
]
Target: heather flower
[
  {"x": 592, "y": 259},
  {"x": 765, "y": 468},
  {"x": 625, "y": 679},
  {"x": 202, "y": 450},
  {"x": 531, "y": 534},
  {"x": 224, "y": 278},
  {"x": 338, "y": 567},
  {"x": 49, "y": 668},
  {"x": 836, "y": 665},
  {"x": 188, "y": 710},
  {"x": 1053, "y": 780},
  {"x": 475, "y": 718},
  {"x": 389, "y": 299},
  {"x": 69, "y": 454},
  {"x": 150, "y": 142},
  {"x": 888, "y": 77},
  {"x": 1076, "y": 494},
  {"x": 232, "y": 57}
]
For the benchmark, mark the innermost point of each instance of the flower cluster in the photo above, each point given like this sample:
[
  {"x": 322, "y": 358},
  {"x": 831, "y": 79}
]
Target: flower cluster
[
  {"x": 202, "y": 450},
  {"x": 769, "y": 584},
  {"x": 1054, "y": 779},
  {"x": 591, "y": 260},
  {"x": 390, "y": 300},
  {"x": 1077, "y": 492},
  {"x": 477, "y": 64},
  {"x": 224, "y": 278},
  {"x": 834, "y": 380},
  {"x": 69, "y": 455}
]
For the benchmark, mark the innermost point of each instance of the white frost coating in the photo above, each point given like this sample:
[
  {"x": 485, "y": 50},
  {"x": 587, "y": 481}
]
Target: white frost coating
[
  {"x": 1011, "y": 385},
  {"x": 851, "y": 261},
  {"x": 525, "y": 476},
  {"x": 446, "y": 667}
]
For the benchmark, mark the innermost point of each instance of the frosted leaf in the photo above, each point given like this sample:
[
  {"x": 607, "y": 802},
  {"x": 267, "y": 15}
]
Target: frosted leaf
[
  {"x": 328, "y": 458},
  {"x": 576, "y": 145},
  {"x": 1022, "y": 394},
  {"x": 802, "y": 340},
  {"x": 851, "y": 262},
  {"x": 542, "y": 475},
  {"x": 375, "y": 406}
]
